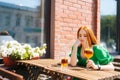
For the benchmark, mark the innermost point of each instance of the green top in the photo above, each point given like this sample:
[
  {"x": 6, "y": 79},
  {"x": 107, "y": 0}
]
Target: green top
[{"x": 101, "y": 56}]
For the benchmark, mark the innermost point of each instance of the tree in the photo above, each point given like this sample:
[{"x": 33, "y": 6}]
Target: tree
[{"x": 108, "y": 29}]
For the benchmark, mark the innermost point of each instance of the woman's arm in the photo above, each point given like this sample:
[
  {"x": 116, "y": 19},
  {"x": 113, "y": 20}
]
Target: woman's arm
[
  {"x": 104, "y": 58},
  {"x": 109, "y": 66},
  {"x": 73, "y": 59},
  {"x": 91, "y": 64}
]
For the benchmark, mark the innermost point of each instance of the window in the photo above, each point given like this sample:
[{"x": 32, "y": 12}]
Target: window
[
  {"x": 108, "y": 25},
  {"x": 18, "y": 19},
  {"x": 29, "y": 21},
  {"x": 25, "y": 20},
  {"x": 7, "y": 19},
  {"x": 1, "y": 20}
]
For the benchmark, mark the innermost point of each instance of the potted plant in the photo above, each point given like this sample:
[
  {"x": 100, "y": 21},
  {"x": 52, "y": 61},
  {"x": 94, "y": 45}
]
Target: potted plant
[{"x": 17, "y": 51}]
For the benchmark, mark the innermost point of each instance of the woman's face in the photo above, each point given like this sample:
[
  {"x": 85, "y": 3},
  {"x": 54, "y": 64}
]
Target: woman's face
[{"x": 82, "y": 36}]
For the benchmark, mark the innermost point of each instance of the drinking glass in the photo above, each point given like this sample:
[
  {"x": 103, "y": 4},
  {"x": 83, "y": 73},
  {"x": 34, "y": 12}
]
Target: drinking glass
[
  {"x": 88, "y": 53},
  {"x": 64, "y": 59},
  {"x": 64, "y": 63}
]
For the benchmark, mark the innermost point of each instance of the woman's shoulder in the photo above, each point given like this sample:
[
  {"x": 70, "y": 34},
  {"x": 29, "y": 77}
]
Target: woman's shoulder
[
  {"x": 100, "y": 49},
  {"x": 97, "y": 46}
]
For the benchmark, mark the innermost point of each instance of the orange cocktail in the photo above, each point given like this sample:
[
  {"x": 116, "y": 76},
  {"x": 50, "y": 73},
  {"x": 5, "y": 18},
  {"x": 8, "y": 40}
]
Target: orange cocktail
[{"x": 88, "y": 53}]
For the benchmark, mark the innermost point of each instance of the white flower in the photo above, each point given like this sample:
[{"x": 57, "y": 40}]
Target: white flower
[
  {"x": 21, "y": 51},
  {"x": 36, "y": 55}
]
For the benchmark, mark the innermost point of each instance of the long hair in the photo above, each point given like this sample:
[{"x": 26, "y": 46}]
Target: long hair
[{"x": 90, "y": 35}]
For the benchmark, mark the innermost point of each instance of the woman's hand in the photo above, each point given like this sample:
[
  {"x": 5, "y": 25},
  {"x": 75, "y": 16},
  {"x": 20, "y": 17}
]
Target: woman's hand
[
  {"x": 91, "y": 64},
  {"x": 77, "y": 43}
]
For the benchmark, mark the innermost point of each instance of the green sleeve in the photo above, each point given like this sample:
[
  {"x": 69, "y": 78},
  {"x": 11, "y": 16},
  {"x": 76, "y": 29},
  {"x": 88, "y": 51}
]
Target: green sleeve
[{"x": 102, "y": 55}]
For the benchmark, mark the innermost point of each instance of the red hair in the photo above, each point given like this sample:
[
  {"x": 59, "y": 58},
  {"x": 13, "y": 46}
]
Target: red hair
[{"x": 90, "y": 35}]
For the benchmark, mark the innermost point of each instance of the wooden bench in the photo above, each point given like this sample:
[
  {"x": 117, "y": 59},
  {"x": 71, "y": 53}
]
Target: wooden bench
[
  {"x": 10, "y": 75},
  {"x": 116, "y": 63}
]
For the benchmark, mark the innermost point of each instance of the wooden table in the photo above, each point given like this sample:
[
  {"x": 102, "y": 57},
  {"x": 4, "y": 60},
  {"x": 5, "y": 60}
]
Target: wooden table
[{"x": 50, "y": 67}]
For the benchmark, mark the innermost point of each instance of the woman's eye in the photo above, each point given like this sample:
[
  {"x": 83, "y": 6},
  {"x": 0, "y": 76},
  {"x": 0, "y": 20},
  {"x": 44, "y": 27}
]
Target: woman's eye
[{"x": 85, "y": 35}]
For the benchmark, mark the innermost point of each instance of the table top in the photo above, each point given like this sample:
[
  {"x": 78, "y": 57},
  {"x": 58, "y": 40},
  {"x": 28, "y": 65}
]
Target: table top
[{"x": 78, "y": 72}]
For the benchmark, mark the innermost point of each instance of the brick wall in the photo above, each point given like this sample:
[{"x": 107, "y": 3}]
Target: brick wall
[{"x": 66, "y": 17}]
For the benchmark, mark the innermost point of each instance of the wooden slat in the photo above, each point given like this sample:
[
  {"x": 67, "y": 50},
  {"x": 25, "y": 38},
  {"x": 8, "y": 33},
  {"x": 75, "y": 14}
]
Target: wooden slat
[
  {"x": 117, "y": 68},
  {"x": 116, "y": 58},
  {"x": 116, "y": 63},
  {"x": 10, "y": 75}
]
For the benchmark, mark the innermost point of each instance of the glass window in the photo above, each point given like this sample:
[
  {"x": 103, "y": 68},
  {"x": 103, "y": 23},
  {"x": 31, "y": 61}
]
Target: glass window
[
  {"x": 7, "y": 19},
  {"x": 24, "y": 20},
  {"x": 29, "y": 20},
  {"x": 1, "y": 20},
  {"x": 18, "y": 19},
  {"x": 108, "y": 24}
]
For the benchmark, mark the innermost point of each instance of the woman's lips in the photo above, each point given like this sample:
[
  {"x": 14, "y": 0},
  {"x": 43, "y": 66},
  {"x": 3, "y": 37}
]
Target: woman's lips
[{"x": 81, "y": 40}]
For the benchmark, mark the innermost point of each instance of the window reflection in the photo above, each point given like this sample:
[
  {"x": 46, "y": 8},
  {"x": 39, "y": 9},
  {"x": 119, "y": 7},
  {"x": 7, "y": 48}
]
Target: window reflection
[
  {"x": 108, "y": 25},
  {"x": 22, "y": 21},
  {"x": 18, "y": 19}
]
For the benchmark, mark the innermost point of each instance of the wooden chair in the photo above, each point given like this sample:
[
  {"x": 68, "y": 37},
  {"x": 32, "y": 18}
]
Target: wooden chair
[
  {"x": 10, "y": 75},
  {"x": 116, "y": 63}
]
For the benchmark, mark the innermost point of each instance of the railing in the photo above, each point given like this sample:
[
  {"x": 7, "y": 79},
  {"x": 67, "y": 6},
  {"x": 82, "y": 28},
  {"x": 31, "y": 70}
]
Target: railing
[{"x": 10, "y": 75}]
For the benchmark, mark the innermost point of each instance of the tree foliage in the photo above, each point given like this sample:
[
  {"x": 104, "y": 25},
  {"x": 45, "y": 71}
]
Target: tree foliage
[{"x": 108, "y": 27}]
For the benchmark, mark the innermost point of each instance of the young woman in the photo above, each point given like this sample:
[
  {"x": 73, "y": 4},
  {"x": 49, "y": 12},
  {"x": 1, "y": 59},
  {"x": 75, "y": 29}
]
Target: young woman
[{"x": 101, "y": 59}]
